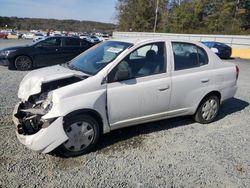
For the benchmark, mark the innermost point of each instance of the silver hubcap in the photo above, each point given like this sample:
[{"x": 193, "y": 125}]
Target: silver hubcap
[
  {"x": 23, "y": 63},
  {"x": 209, "y": 109},
  {"x": 80, "y": 134}
]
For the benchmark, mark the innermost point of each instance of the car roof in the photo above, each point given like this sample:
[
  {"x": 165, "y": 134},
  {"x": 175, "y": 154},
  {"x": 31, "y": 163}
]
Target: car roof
[
  {"x": 212, "y": 42},
  {"x": 60, "y": 37},
  {"x": 145, "y": 40}
]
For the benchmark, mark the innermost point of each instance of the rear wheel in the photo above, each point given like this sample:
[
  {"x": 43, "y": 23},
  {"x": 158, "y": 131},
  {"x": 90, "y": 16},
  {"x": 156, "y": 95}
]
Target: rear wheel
[
  {"x": 23, "y": 63},
  {"x": 207, "y": 110},
  {"x": 83, "y": 132}
]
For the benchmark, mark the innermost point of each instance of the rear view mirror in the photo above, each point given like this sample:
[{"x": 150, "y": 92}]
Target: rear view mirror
[{"x": 215, "y": 50}]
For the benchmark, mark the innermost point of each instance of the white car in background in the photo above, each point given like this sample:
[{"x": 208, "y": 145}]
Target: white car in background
[
  {"x": 93, "y": 39},
  {"x": 120, "y": 83},
  {"x": 84, "y": 36},
  {"x": 38, "y": 36},
  {"x": 103, "y": 37},
  {"x": 28, "y": 36}
]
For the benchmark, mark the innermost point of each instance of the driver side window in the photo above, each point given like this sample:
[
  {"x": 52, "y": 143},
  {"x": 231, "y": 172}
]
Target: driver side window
[{"x": 144, "y": 61}]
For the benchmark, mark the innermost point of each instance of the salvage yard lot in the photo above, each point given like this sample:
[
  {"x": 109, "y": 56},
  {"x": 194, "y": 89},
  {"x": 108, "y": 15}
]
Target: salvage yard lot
[{"x": 176, "y": 152}]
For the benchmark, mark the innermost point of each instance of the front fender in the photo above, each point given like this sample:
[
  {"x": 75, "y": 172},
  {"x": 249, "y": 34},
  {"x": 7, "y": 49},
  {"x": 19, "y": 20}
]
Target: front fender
[{"x": 95, "y": 100}]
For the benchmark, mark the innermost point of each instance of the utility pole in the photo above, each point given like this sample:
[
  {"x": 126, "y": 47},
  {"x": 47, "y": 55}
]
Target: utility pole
[
  {"x": 156, "y": 14},
  {"x": 237, "y": 2}
]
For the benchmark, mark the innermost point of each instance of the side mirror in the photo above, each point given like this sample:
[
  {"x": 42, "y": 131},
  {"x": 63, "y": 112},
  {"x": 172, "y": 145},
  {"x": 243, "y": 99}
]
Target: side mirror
[{"x": 215, "y": 50}]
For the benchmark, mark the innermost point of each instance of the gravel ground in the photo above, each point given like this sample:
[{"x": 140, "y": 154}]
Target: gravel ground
[{"x": 170, "y": 153}]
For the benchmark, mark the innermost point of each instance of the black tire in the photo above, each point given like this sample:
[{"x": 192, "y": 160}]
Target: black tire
[
  {"x": 212, "y": 104},
  {"x": 65, "y": 149},
  {"x": 23, "y": 63}
]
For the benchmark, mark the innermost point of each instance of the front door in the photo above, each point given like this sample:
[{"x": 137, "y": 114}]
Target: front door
[{"x": 144, "y": 94}]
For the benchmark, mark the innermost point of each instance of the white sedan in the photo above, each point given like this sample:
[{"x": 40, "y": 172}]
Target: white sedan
[
  {"x": 38, "y": 36},
  {"x": 120, "y": 83},
  {"x": 28, "y": 36}
]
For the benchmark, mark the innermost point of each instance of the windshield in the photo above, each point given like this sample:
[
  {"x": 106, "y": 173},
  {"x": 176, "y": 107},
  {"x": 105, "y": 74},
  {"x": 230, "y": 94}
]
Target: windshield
[{"x": 96, "y": 58}]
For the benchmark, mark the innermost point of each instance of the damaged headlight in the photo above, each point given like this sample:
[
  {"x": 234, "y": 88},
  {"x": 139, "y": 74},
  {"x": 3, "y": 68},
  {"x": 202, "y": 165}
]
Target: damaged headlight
[{"x": 47, "y": 103}]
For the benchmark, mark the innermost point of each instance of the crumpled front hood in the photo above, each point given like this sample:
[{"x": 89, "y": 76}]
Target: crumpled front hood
[{"x": 32, "y": 82}]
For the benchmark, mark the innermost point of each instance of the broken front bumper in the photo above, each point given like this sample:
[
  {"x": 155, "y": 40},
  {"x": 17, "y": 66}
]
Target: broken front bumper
[{"x": 46, "y": 139}]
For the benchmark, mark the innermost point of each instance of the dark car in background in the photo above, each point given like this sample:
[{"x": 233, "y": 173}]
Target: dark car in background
[
  {"x": 223, "y": 51},
  {"x": 45, "y": 52}
]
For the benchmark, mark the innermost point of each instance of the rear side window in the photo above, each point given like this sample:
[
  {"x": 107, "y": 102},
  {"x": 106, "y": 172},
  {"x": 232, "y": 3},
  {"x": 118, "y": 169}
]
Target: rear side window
[
  {"x": 72, "y": 42},
  {"x": 187, "y": 55},
  {"x": 202, "y": 56}
]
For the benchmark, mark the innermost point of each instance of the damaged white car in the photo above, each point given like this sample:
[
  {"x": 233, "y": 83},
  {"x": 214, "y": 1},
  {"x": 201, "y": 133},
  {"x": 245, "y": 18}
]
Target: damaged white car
[{"x": 118, "y": 84}]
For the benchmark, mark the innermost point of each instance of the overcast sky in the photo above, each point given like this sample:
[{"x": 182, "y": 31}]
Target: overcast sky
[{"x": 93, "y": 10}]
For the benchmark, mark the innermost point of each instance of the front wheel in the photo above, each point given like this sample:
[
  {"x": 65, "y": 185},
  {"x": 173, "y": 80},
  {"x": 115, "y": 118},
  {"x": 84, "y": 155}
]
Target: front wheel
[
  {"x": 23, "y": 63},
  {"x": 83, "y": 132},
  {"x": 207, "y": 110}
]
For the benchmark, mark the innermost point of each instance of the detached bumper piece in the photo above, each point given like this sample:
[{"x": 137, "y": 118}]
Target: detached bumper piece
[{"x": 38, "y": 135}]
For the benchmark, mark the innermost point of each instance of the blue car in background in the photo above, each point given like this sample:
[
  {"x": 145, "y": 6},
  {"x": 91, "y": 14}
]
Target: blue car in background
[{"x": 223, "y": 51}]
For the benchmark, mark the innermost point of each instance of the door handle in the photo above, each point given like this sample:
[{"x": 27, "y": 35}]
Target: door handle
[
  {"x": 163, "y": 88},
  {"x": 205, "y": 80}
]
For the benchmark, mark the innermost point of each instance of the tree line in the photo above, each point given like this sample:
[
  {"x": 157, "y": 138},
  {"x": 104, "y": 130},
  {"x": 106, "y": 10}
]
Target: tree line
[
  {"x": 53, "y": 24},
  {"x": 185, "y": 16}
]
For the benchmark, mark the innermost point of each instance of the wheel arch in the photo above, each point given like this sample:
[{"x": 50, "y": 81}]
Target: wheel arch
[
  {"x": 91, "y": 113},
  {"x": 16, "y": 56},
  {"x": 31, "y": 58},
  {"x": 215, "y": 92}
]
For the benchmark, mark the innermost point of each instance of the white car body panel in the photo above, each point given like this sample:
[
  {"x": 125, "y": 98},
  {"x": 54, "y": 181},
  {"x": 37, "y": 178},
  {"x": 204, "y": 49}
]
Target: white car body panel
[
  {"x": 187, "y": 80},
  {"x": 45, "y": 140},
  {"x": 80, "y": 95},
  {"x": 130, "y": 102},
  {"x": 137, "y": 98}
]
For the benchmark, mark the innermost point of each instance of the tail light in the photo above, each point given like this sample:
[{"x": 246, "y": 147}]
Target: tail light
[{"x": 237, "y": 72}]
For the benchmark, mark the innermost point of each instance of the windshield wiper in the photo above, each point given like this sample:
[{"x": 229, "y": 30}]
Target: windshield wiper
[{"x": 72, "y": 67}]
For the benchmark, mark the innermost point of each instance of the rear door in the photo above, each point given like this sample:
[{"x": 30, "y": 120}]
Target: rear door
[
  {"x": 71, "y": 48},
  {"x": 191, "y": 76},
  {"x": 145, "y": 94}
]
